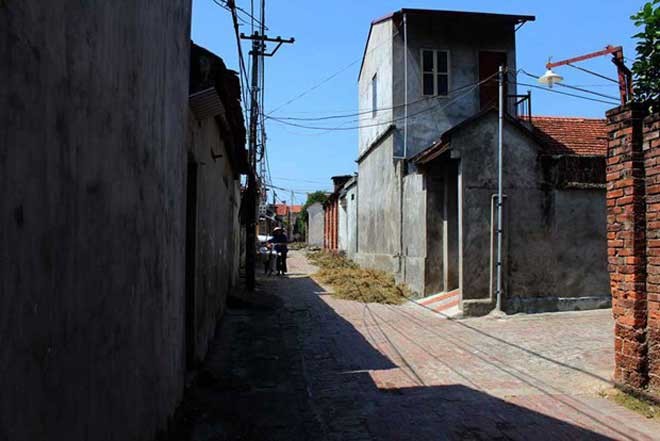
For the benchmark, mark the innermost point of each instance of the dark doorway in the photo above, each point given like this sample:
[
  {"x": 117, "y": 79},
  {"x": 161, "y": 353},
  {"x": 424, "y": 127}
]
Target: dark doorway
[
  {"x": 191, "y": 250},
  {"x": 489, "y": 64},
  {"x": 451, "y": 228}
]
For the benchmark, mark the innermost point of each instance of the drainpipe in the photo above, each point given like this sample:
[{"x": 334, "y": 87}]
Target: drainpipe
[
  {"x": 498, "y": 291},
  {"x": 493, "y": 198},
  {"x": 405, "y": 86},
  {"x": 402, "y": 262}
]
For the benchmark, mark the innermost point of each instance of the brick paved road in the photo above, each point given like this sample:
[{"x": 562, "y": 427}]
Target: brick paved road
[{"x": 319, "y": 368}]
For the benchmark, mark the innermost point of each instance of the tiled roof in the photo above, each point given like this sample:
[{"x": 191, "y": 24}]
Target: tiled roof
[
  {"x": 572, "y": 136},
  {"x": 283, "y": 210}
]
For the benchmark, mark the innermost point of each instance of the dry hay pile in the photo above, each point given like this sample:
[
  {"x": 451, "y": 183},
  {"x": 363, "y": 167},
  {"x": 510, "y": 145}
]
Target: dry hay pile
[{"x": 350, "y": 282}]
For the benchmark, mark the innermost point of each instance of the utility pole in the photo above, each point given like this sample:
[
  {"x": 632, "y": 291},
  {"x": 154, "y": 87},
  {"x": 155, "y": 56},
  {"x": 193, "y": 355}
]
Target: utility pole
[
  {"x": 291, "y": 217},
  {"x": 498, "y": 291},
  {"x": 257, "y": 53}
]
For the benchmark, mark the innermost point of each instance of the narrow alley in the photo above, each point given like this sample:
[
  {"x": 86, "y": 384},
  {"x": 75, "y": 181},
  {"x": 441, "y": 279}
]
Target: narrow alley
[{"x": 297, "y": 363}]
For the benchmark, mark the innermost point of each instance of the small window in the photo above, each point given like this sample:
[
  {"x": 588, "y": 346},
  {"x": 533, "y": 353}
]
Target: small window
[
  {"x": 435, "y": 72},
  {"x": 374, "y": 95}
]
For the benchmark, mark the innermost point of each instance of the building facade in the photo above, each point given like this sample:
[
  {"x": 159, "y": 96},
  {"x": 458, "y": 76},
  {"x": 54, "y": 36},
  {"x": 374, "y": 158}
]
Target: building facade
[
  {"x": 427, "y": 160},
  {"x": 347, "y": 218},
  {"x": 331, "y": 214},
  {"x": 216, "y": 160},
  {"x": 95, "y": 177},
  {"x": 315, "y": 225}
]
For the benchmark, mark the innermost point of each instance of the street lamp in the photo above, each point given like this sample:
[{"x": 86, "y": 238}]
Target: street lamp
[
  {"x": 624, "y": 75},
  {"x": 549, "y": 78}
]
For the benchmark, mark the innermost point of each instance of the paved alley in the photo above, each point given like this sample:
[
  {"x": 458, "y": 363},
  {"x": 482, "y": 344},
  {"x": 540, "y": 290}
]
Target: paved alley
[{"x": 303, "y": 365}]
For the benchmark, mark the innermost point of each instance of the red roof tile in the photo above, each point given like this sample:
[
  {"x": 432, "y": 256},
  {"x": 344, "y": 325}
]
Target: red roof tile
[
  {"x": 572, "y": 136},
  {"x": 283, "y": 210}
]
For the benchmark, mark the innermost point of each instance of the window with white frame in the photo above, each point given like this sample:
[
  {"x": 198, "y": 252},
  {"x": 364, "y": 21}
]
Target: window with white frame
[
  {"x": 374, "y": 95},
  {"x": 435, "y": 72}
]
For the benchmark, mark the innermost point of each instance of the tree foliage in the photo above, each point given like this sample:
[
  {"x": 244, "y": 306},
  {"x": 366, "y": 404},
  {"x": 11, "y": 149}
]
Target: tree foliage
[{"x": 646, "y": 68}]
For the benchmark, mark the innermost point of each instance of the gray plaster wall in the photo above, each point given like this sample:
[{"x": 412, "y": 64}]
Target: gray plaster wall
[
  {"x": 315, "y": 224},
  {"x": 217, "y": 247},
  {"x": 555, "y": 241},
  {"x": 92, "y": 172},
  {"x": 377, "y": 60},
  {"x": 348, "y": 220},
  {"x": 379, "y": 210},
  {"x": 429, "y": 117},
  {"x": 414, "y": 233}
]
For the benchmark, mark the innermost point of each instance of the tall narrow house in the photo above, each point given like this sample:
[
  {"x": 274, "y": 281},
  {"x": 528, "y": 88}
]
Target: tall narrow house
[{"x": 428, "y": 95}]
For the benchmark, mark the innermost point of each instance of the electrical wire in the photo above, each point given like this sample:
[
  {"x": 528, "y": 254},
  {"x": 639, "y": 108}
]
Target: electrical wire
[
  {"x": 593, "y": 73},
  {"x": 225, "y": 4},
  {"x": 370, "y": 111},
  {"x": 325, "y": 80},
  {"x": 569, "y": 94},
  {"x": 245, "y": 88},
  {"x": 434, "y": 107},
  {"x": 299, "y": 180},
  {"x": 568, "y": 86}
]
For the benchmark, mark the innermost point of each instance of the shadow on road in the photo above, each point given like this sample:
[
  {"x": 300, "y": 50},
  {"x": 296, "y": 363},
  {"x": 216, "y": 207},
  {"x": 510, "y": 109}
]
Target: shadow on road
[{"x": 297, "y": 370}]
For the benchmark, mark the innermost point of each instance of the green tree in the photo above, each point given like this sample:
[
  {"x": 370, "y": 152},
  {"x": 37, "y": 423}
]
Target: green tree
[
  {"x": 646, "y": 68},
  {"x": 317, "y": 196}
]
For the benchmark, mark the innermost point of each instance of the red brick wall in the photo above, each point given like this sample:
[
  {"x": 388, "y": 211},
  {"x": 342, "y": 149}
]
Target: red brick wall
[
  {"x": 633, "y": 205},
  {"x": 330, "y": 236},
  {"x": 651, "y": 147}
]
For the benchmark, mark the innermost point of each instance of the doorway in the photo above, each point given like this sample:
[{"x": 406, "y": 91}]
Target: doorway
[
  {"x": 489, "y": 64},
  {"x": 191, "y": 251},
  {"x": 443, "y": 231},
  {"x": 451, "y": 228}
]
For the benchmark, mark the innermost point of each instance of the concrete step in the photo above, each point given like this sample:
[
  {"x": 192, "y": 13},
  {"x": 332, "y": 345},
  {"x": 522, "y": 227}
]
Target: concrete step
[{"x": 446, "y": 303}]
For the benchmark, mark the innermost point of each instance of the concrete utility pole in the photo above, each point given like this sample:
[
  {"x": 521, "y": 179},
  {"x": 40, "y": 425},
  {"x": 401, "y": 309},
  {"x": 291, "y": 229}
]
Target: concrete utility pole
[
  {"x": 498, "y": 291},
  {"x": 258, "y": 52}
]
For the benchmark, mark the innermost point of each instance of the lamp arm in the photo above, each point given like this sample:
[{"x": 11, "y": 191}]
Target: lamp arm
[{"x": 606, "y": 51}]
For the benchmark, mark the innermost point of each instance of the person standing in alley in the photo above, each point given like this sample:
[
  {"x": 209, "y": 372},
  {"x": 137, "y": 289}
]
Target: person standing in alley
[{"x": 280, "y": 243}]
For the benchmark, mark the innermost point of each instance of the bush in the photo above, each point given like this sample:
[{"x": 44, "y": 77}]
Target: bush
[{"x": 646, "y": 68}]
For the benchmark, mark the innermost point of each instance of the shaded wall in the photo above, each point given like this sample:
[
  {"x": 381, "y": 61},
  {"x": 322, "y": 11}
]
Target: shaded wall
[
  {"x": 217, "y": 228},
  {"x": 92, "y": 169},
  {"x": 554, "y": 238}
]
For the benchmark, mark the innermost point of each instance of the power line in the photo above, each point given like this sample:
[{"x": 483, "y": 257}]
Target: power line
[
  {"x": 299, "y": 180},
  {"x": 569, "y": 94},
  {"x": 447, "y": 104},
  {"x": 348, "y": 115},
  {"x": 229, "y": 5},
  {"x": 322, "y": 82},
  {"x": 593, "y": 73},
  {"x": 568, "y": 86}
]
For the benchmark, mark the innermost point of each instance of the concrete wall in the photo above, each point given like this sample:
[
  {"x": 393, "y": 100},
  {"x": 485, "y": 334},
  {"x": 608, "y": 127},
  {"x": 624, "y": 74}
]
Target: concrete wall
[
  {"x": 348, "y": 220},
  {"x": 378, "y": 60},
  {"x": 414, "y": 233},
  {"x": 554, "y": 254},
  {"x": 379, "y": 210},
  {"x": 429, "y": 117},
  {"x": 92, "y": 169},
  {"x": 217, "y": 227},
  {"x": 315, "y": 224}
]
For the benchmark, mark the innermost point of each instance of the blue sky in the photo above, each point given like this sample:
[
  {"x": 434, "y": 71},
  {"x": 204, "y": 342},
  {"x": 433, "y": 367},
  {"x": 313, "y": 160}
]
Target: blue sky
[{"x": 330, "y": 37}]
